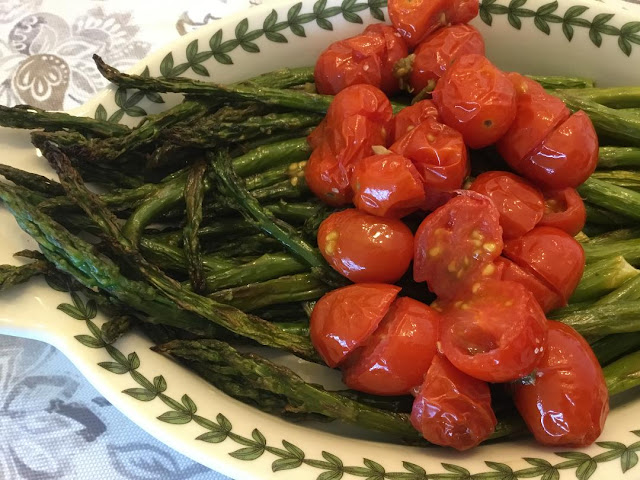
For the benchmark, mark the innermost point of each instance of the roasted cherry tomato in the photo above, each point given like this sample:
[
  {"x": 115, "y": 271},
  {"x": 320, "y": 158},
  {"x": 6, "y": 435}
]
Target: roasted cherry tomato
[
  {"x": 366, "y": 248},
  {"x": 564, "y": 209},
  {"x": 451, "y": 408},
  {"x": 552, "y": 254},
  {"x": 538, "y": 113},
  {"x": 547, "y": 298},
  {"x": 387, "y": 185},
  {"x": 395, "y": 358},
  {"x": 410, "y": 117},
  {"x": 438, "y": 51},
  {"x": 520, "y": 204},
  {"x": 477, "y": 99},
  {"x": 367, "y": 58},
  {"x": 496, "y": 332},
  {"x": 566, "y": 157},
  {"x": 568, "y": 402},
  {"x": 328, "y": 178},
  {"x": 439, "y": 154},
  {"x": 416, "y": 19},
  {"x": 342, "y": 319},
  {"x": 457, "y": 243},
  {"x": 365, "y": 100}
]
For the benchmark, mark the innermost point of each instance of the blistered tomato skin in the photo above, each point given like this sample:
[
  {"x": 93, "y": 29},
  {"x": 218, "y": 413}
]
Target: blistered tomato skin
[
  {"x": 395, "y": 358},
  {"x": 410, "y": 117},
  {"x": 440, "y": 50},
  {"x": 342, "y": 319},
  {"x": 564, "y": 209},
  {"x": 328, "y": 178},
  {"x": 568, "y": 403},
  {"x": 452, "y": 409},
  {"x": 366, "y": 248},
  {"x": 477, "y": 99},
  {"x": 520, "y": 204},
  {"x": 387, "y": 186}
]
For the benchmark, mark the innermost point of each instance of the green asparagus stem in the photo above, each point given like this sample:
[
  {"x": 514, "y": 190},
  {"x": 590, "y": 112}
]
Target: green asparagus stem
[
  {"x": 615, "y": 235},
  {"x": 172, "y": 258},
  {"x": 11, "y": 275},
  {"x": 621, "y": 317},
  {"x": 194, "y": 195},
  {"x": 32, "y": 181},
  {"x": 600, "y": 217},
  {"x": 273, "y": 155},
  {"x": 614, "y": 97},
  {"x": 560, "y": 82},
  {"x": 621, "y": 178},
  {"x": 283, "y": 78},
  {"x": 610, "y": 348},
  {"x": 619, "y": 157},
  {"x": 244, "y": 147},
  {"x": 623, "y": 374},
  {"x": 295, "y": 212},
  {"x": 602, "y": 277},
  {"x": 628, "y": 291},
  {"x": 116, "y": 327},
  {"x": 611, "y": 197},
  {"x": 629, "y": 249}
]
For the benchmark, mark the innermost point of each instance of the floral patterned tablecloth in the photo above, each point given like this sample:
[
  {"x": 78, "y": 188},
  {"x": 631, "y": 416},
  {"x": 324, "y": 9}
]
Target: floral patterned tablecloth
[{"x": 53, "y": 424}]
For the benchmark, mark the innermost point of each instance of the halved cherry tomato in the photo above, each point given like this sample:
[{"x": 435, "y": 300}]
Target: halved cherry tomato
[
  {"x": 566, "y": 157},
  {"x": 520, "y": 204},
  {"x": 568, "y": 402},
  {"x": 440, "y": 50},
  {"x": 342, "y": 319},
  {"x": 416, "y": 19},
  {"x": 551, "y": 254},
  {"x": 366, "y": 248},
  {"x": 477, "y": 99},
  {"x": 395, "y": 358},
  {"x": 439, "y": 154},
  {"x": 410, "y": 117},
  {"x": 453, "y": 409},
  {"x": 496, "y": 332},
  {"x": 367, "y": 58},
  {"x": 387, "y": 185},
  {"x": 564, "y": 209},
  {"x": 538, "y": 113},
  {"x": 454, "y": 244},
  {"x": 547, "y": 298}
]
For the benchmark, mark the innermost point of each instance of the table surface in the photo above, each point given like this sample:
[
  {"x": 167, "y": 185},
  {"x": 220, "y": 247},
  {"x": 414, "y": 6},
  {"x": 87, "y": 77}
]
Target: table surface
[{"x": 53, "y": 423}]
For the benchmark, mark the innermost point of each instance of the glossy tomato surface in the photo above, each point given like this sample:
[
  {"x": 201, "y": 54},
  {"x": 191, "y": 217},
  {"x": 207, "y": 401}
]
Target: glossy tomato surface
[
  {"x": 564, "y": 209},
  {"x": 568, "y": 402},
  {"x": 387, "y": 186},
  {"x": 410, "y": 117},
  {"x": 520, "y": 204},
  {"x": 551, "y": 254},
  {"x": 365, "y": 100},
  {"x": 395, "y": 358},
  {"x": 477, "y": 99},
  {"x": 364, "y": 247},
  {"x": 453, "y": 409},
  {"x": 342, "y": 319},
  {"x": 327, "y": 177},
  {"x": 457, "y": 243}
]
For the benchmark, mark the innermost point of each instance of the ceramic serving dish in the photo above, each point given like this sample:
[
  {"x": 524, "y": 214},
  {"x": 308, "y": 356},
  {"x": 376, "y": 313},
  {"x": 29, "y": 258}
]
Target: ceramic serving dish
[{"x": 580, "y": 37}]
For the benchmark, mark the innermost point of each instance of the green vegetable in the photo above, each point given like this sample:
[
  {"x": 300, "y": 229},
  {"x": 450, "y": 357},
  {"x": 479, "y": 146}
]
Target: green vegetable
[
  {"x": 611, "y": 197},
  {"x": 11, "y": 275},
  {"x": 623, "y": 374},
  {"x": 629, "y": 249},
  {"x": 602, "y": 277},
  {"x": 621, "y": 317},
  {"x": 614, "y": 97},
  {"x": 561, "y": 82},
  {"x": 617, "y": 157},
  {"x": 194, "y": 196}
]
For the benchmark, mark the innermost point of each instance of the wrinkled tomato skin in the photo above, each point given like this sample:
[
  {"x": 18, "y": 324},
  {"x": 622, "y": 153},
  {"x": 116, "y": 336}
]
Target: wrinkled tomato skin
[
  {"x": 342, "y": 319},
  {"x": 552, "y": 254},
  {"x": 566, "y": 157},
  {"x": 477, "y": 99},
  {"x": 440, "y": 50},
  {"x": 537, "y": 114},
  {"x": 496, "y": 332},
  {"x": 439, "y": 154},
  {"x": 395, "y": 358},
  {"x": 564, "y": 209},
  {"x": 366, "y": 248},
  {"x": 367, "y": 58},
  {"x": 365, "y": 100},
  {"x": 452, "y": 409},
  {"x": 466, "y": 227},
  {"x": 520, "y": 204},
  {"x": 568, "y": 402},
  {"x": 410, "y": 117},
  {"x": 327, "y": 178},
  {"x": 387, "y": 186}
]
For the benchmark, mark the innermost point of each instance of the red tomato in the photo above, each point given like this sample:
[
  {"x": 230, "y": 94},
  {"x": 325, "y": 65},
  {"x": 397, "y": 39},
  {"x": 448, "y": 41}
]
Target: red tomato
[
  {"x": 566, "y": 157},
  {"x": 538, "y": 113},
  {"x": 328, "y": 178},
  {"x": 439, "y": 154},
  {"x": 437, "y": 52},
  {"x": 454, "y": 244},
  {"x": 342, "y": 319},
  {"x": 410, "y": 117},
  {"x": 366, "y": 248},
  {"x": 564, "y": 209},
  {"x": 477, "y": 99},
  {"x": 552, "y": 254},
  {"x": 568, "y": 403},
  {"x": 496, "y": 332},
  {"x": 367, "y": 58},
  {"x": 365, "y": 100},
  {"x": 416, "y": 19},
  {"x": 520, "y": 204},
  {"x": 395, "y": 358},
  {"x": 547, "y": 299},
  {"x": 453, "y": 409},
  {"x": 387, "y": 185}
]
